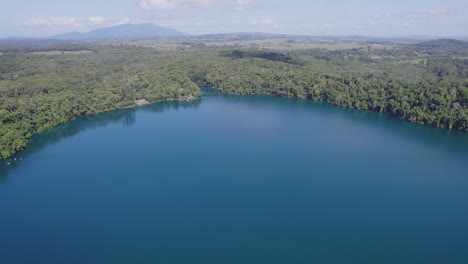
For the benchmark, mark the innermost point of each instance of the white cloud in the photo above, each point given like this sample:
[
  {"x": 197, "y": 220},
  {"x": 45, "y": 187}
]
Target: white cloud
[
  {"x": 264, "y": 22},
  {"x": 438, "y": 12},
  {"x": 70, "y": 23},
  {"x": 150, "y": 5},
  {"x": 121, "y": 21},
  {"x": 242, "y": 4},
  {"x": 52, "y": 22},
  {"x": 96, "y": 20}
]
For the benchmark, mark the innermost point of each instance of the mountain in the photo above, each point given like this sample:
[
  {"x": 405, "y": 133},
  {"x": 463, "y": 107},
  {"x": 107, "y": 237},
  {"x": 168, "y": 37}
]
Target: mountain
[
  {"x": 124, "y": 32},
  {"x": 444, "y": 43}
]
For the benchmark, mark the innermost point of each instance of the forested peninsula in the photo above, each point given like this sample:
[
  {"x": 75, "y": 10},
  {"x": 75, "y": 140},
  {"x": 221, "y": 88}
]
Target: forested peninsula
[{"x": 47, "y": 85}]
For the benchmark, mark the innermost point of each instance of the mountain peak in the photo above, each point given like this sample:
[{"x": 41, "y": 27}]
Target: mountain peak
[{"x": 125, "y": 31}]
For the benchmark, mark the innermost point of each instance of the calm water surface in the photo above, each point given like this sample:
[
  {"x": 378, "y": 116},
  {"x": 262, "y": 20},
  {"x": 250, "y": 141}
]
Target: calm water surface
[{"x": 237, "y": 179}]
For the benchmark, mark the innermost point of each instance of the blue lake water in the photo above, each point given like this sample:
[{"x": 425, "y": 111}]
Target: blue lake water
[{"x": 237, "y": 179}]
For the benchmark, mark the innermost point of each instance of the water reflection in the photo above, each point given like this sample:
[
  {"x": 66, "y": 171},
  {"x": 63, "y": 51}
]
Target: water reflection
[
  {"x": 127, "y": 117},
  {"x": 454, "y": 142}
]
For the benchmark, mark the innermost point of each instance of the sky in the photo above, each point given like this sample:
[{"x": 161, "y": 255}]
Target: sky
[{"x": 379, "y": 18}]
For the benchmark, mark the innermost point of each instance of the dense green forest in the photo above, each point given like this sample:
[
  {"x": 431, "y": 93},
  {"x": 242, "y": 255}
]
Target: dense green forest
[{"x": 44, "y": 86}]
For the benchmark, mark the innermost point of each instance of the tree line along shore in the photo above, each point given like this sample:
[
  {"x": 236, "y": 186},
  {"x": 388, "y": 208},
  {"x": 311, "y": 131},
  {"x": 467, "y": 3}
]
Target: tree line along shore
[{"x": 423, "y": 83}]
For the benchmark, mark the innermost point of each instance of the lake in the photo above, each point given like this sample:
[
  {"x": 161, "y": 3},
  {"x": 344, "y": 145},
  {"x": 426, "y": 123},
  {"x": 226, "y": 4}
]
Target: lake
[{"x": 237, "y": 179}]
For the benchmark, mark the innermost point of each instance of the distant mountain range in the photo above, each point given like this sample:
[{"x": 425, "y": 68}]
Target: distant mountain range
[
  {"x": 151, "y": 31},
  {"x": 124, "y": 32}
]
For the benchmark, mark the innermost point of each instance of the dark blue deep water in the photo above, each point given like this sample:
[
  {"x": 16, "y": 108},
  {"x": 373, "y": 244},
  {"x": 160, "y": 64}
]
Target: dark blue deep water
[{"x": 237, "y": 179}]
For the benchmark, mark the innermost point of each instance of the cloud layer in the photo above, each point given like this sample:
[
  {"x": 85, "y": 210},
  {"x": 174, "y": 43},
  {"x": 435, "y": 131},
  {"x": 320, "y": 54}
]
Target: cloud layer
[
  {"x": 52, "y": 22},
  {"x": 77, "y": 23},
  {"x": 150, "y": 5},
  {"x": 274, "y": 16}
]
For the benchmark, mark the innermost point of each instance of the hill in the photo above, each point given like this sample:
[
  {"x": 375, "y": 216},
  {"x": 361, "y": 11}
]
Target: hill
[{"x": 450, "y": 44}]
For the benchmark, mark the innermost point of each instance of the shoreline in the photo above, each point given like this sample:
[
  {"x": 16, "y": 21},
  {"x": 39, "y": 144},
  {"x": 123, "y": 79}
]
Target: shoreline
[
  {"x": 143, "y": 101},
  {"x": 137, "y": 103}
]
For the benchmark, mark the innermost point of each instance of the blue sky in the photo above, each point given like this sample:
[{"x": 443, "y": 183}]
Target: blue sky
[{"x": 311, "y": 17}]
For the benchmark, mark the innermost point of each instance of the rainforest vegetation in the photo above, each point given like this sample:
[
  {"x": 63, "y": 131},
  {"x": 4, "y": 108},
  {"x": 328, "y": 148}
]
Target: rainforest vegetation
[{"x": 44, "y": 86}]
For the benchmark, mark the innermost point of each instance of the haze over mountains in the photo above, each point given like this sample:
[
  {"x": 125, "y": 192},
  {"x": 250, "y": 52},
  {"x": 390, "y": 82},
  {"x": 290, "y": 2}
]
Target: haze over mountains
[
  {"x": 126, "y": 31},
  {"x": 151, "y": 31}
]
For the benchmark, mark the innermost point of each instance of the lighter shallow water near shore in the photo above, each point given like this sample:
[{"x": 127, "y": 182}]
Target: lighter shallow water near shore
[{"x": 237, "y": 179}]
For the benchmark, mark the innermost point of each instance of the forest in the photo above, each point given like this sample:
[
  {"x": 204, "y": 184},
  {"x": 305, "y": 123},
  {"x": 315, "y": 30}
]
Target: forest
[{"x": 44, "y": 86}]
